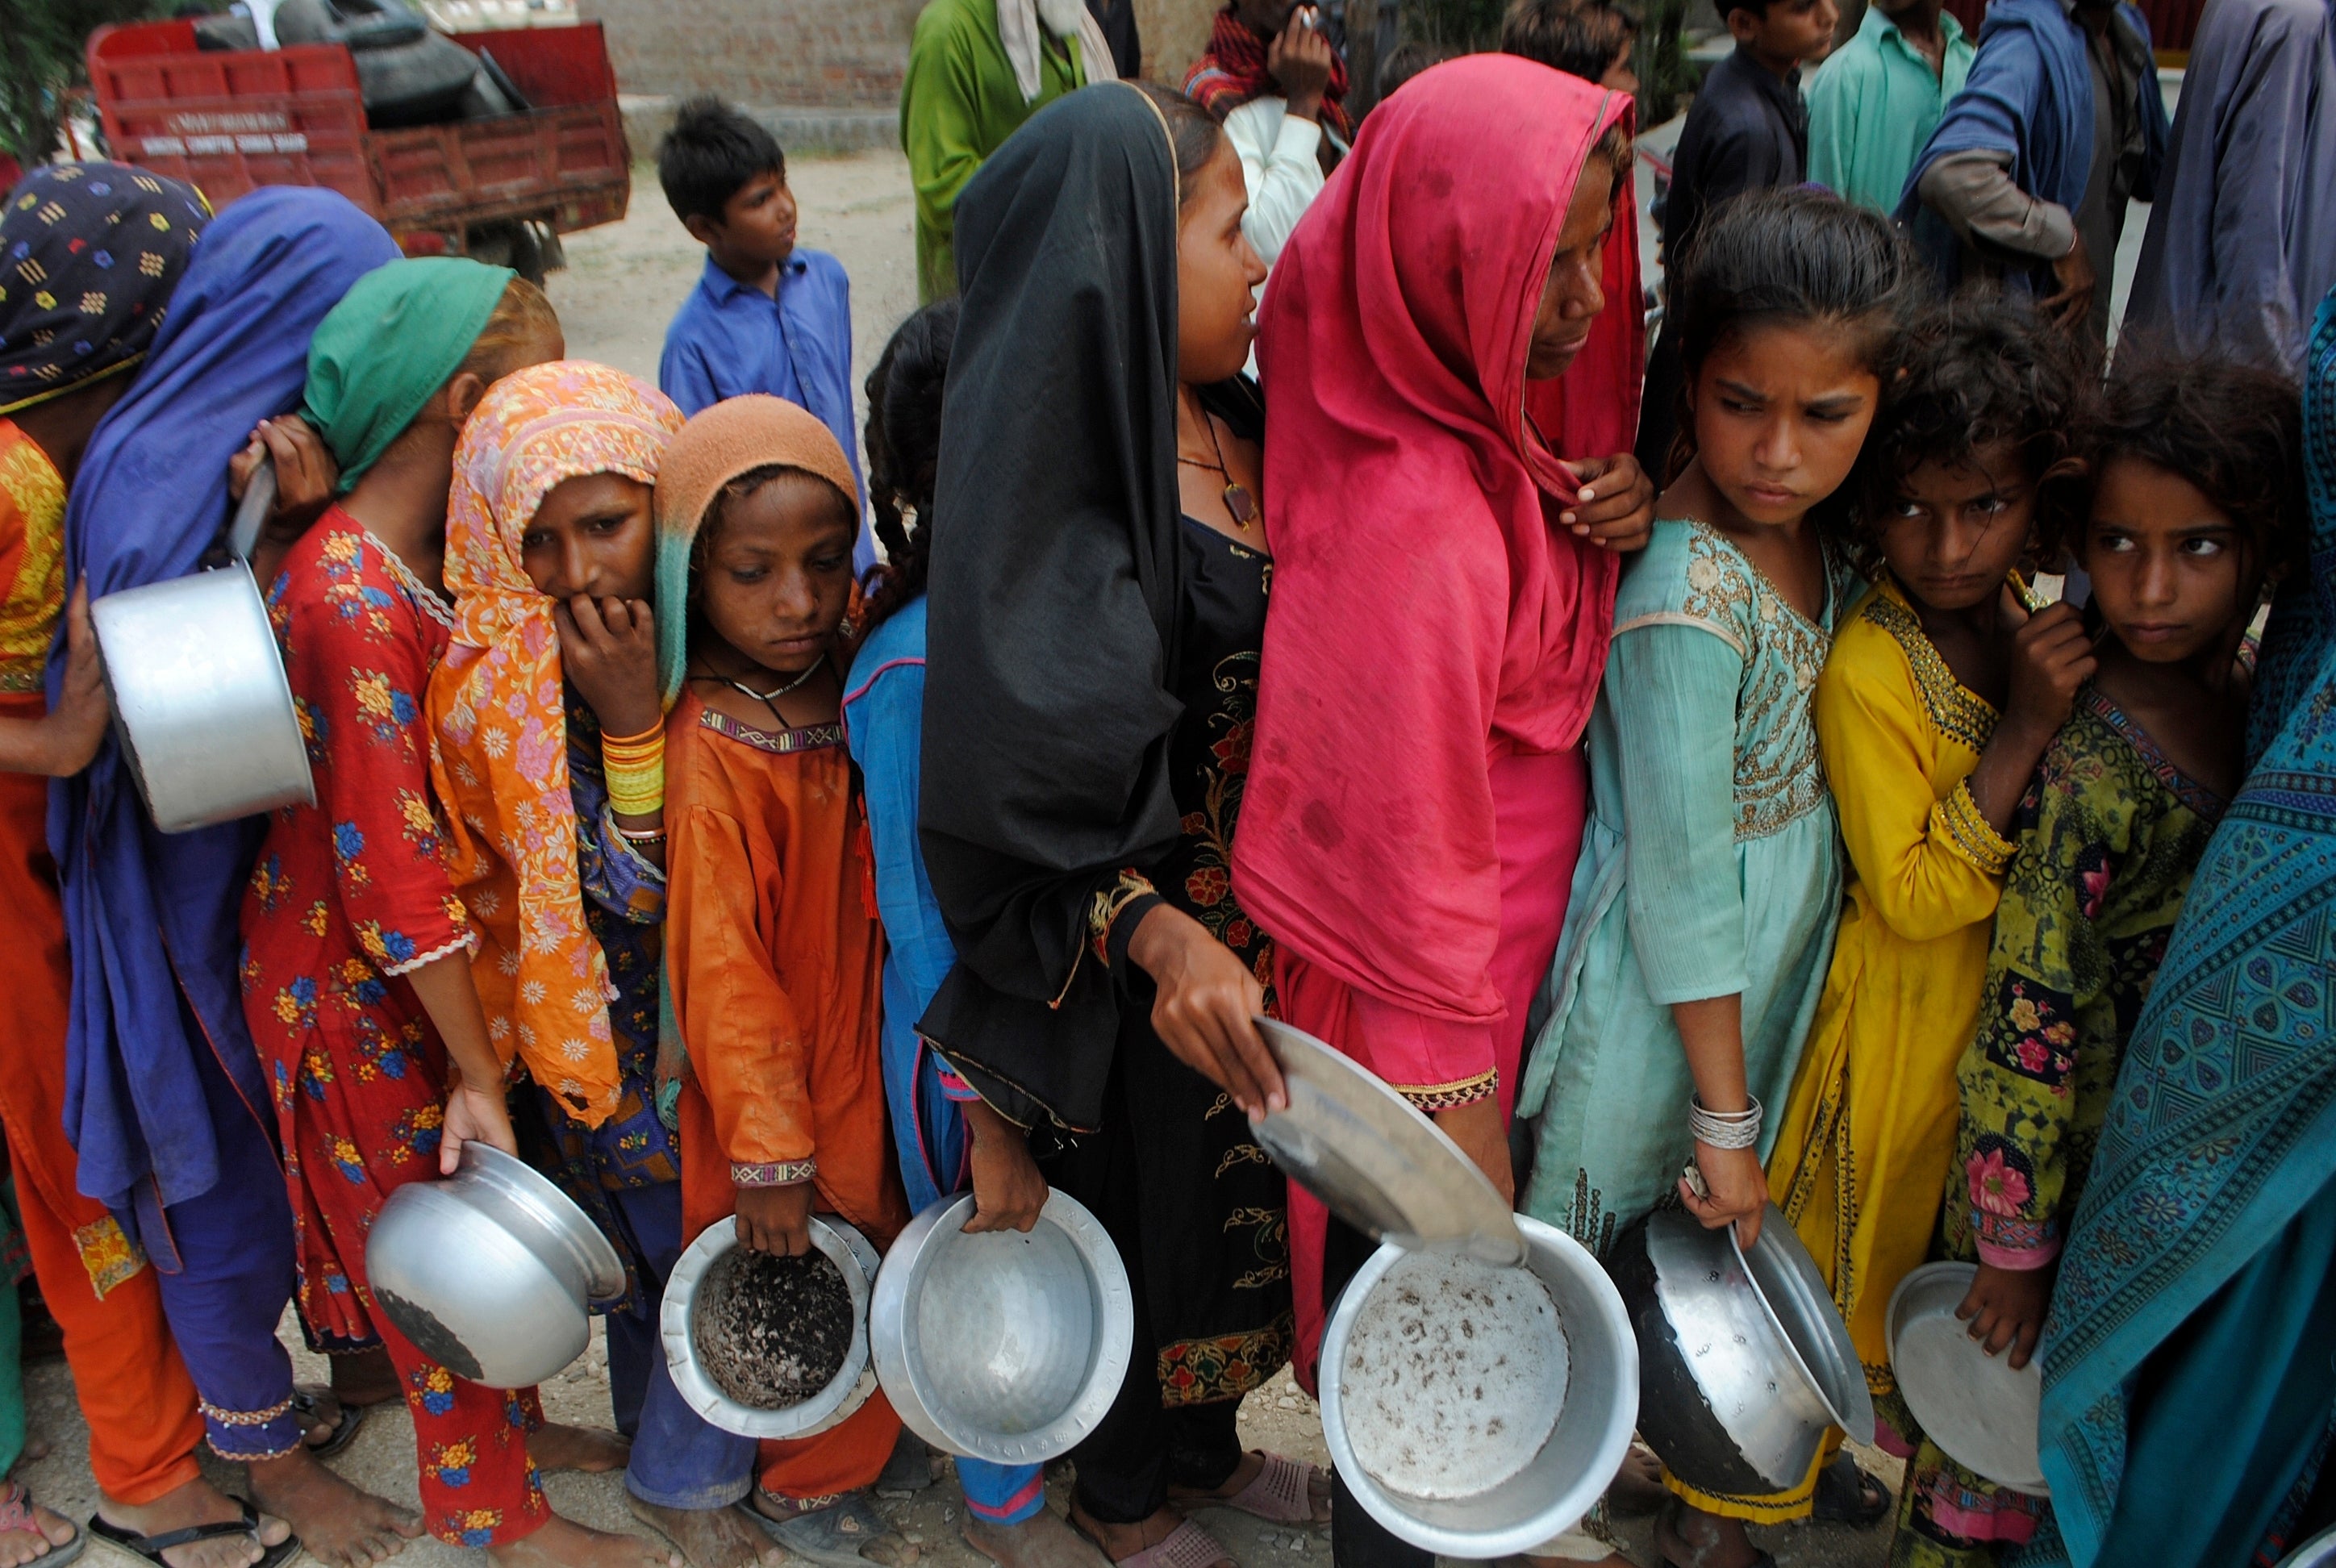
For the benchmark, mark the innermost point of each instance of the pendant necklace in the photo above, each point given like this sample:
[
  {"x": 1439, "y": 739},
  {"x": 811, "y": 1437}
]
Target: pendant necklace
[
  {"x": 1240, "y": 505},
  {"x": 769, "y": 699}
]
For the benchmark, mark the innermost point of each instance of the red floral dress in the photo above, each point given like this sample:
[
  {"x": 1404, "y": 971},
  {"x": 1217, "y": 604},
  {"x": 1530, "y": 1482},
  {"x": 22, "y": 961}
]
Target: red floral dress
[{"x": 350, "y": 895}]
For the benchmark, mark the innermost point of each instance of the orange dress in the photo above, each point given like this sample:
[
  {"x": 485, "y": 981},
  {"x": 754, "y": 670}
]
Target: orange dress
[
  {"x": 134, "y": 1391},
  {"x": 775, "y": 962}
]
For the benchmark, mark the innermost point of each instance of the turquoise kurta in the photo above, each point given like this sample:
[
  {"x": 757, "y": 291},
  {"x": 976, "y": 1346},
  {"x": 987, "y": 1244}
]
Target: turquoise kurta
[
  {"x": 1707, "y": 870},
  {"x": 1873, "y": 103}
]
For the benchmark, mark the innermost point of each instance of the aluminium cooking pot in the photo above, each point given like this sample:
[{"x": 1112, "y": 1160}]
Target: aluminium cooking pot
[
  {"x": 704, "y": 1271},
  {"x": 201, "y": 705},
  {"x": 1743, "y": 1361}
]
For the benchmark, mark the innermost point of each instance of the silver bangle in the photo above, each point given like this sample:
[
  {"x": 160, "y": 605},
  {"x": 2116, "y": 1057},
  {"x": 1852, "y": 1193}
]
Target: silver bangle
[{"x": 1723, "y": 1129}]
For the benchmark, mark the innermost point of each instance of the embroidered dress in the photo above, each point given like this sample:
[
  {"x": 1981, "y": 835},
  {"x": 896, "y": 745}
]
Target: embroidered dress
[
  {"x": 1862, "y": 1147},
  {"x": 2108, "y": 837},
  {"x": 349, "y": 896}
]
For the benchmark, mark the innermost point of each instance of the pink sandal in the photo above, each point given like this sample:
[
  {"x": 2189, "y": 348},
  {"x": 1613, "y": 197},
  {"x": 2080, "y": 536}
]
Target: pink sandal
[
  {"x": 1280, "y": 1495},
  {"x": 1186, "y": 1546}
]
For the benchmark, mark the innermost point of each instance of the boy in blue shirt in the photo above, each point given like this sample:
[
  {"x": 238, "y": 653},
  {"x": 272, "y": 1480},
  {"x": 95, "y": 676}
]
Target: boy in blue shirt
[{"x": 765, "y": 316}]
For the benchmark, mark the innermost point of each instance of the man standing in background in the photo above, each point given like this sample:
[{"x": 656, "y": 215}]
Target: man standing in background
[
  {"x": 977, "y": 70},
  {"x": 1877, "y": 98}
]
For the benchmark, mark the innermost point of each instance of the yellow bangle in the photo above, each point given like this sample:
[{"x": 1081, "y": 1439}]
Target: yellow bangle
[{"x": 634, "y": 767}]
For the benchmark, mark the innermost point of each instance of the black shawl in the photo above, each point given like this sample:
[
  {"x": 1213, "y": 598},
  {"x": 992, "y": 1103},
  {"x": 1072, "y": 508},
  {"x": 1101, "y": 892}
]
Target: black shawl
[{"x": 1055, "y": 592}]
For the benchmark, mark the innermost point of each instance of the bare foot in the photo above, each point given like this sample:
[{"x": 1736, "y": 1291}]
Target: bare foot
[
  {"x": 1041, "y": 1541},
  {"x": 1637, "y": 1490},
  {"x": 1690, "y": 1538},
  {"x": 365, "y": 1377},
  {"x": 196, "y": 1503},
  {"x": 1251, "y": 1465},
  {"x": 33, "y": 1531},
  {"x": 564, "y": 1543},
  {"x": 590, "y": 1449},
  {"x": 1121, "y": 1541},
  {"x": 708, "y": 1537},
  {"x": 342, "y": 1527}
]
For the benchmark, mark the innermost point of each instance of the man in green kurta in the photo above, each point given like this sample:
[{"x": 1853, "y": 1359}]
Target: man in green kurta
[
  {"x": 977, "y": 70},
  {"x": 1877, "y": 98}
]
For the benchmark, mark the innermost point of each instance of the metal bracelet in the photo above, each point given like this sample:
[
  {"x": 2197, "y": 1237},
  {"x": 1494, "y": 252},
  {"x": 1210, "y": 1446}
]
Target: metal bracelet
[{"x": 1723, "y": 1129}]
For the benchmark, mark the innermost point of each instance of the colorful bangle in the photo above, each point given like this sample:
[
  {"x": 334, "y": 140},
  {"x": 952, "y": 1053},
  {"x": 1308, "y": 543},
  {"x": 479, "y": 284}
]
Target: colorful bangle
[{"x": 634, "y": 767}]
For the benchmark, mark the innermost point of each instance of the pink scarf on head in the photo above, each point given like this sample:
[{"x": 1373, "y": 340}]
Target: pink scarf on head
[{"x": 1427, "y": 611}]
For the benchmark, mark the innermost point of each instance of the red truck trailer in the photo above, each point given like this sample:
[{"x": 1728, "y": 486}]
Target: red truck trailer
[{"x": 501, "y": 188}]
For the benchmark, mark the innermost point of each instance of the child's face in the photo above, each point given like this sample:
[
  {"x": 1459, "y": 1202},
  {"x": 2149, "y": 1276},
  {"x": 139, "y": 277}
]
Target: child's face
[
  {"x": 1956, "y": 532},
  {"x": 1791, "y": 30},
  {"x": 758, "y": 223},
  {"x": 1780, "y": 412},
  {"x": 1217, "y": 275},
  {"x": 778, "y": 576},
  {"x": 2170, "y": 570},
  {"x": 594, "y": 534}
]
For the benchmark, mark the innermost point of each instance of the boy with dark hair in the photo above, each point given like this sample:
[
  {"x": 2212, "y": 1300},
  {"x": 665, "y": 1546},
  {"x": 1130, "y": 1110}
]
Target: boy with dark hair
[
  {"x": 1748, "y": 129},
  {"x": 1590, "y": 39},
  {"x": 765, "y": 316}
]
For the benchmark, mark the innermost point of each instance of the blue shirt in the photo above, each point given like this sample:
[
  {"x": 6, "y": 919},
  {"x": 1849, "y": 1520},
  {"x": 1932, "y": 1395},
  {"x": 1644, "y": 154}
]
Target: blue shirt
[{"x": 730, "y": 338}]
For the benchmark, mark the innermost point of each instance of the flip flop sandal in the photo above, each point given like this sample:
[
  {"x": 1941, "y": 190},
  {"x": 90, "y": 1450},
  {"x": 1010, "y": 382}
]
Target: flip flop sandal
[
  {"x": 838, "y": 1535},
  {"x": 1848, "y": 1496},
  {"x": 909, "y": 1470},
  {"x": 1278, "y": 1495},
  {"x": 16, "y": 1516},
  {"x": 151, "y": 1547},
  {"x": 307, "y": 1401},
  {"x": 1186, "y": 1546}
]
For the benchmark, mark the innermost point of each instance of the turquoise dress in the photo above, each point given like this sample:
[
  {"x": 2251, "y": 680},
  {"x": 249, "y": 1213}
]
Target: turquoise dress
[{"x": 1711, "y": 866}]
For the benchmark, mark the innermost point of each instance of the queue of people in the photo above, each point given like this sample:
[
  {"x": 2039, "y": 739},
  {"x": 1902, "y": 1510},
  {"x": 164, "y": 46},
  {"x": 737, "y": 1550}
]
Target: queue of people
[{"x": 736, "y": 831}]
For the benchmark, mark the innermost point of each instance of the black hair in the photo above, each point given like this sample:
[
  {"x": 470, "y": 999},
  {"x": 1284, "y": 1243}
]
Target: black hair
[
  {"x": 1979, "y": 370},
  {"x": 904, "y": 450},
  {"x": 1728, "y": 8},
  {"x": 1192, "y": 129},
  {"x": 1579, "y": 37},
  {"x": 2233, "y": 429},
  {"x": 1404, "y": 62},
  {"x": 710, "y": 155},
  {"x": 717, "y": 510},
  {"x": 1796, "y": 255}
]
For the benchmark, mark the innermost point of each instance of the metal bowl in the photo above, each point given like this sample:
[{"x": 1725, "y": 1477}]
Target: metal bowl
[
  {"x": 492, "y": 1273},
  {"x": 705, "y": 1266},
  {"x": 1983, "y": 1413},
  {"x": 1478, "y": 1476},
  {"x": 2320, "y": 1551},
  {"x": 201, "y": 705},
  {"x": 1003, "y": 1346},
  {"x": 1743, "y": 1361}
]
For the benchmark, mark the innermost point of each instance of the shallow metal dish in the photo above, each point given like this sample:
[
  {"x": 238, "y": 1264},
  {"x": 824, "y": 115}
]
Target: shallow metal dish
[
  {"x": 1377, "y": 1163},
  {"x": 704, "y": 1266},
  {"x": 1551, "y": 1476},
  {"x": 1978, "y": 1409},
  {"x": 1743, "y": 1361},
  {"x": 2320, "y": 1551},
  {"x": 1003, "y": 1346},
  {"x": 492, "y": 1273}
]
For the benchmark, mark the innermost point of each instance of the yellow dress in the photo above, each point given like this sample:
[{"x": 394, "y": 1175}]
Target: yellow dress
[{"x": 1861, "y": 1160}]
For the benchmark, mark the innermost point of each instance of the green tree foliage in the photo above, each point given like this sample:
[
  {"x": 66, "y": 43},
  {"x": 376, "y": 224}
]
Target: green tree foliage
[{"x": 41, "y": 45}]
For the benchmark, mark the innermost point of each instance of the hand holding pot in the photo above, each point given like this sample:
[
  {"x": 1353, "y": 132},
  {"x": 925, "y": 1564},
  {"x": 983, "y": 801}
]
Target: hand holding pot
[{"x": 776, "y": 1220}]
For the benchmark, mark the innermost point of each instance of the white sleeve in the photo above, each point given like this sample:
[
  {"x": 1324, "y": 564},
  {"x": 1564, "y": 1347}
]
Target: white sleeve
[{"x": 1281, "y": 164}]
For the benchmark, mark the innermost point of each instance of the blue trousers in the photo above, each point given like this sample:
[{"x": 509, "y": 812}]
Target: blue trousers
[
  {"x": 223, "y": 1262},
  {"x": 680, "y": 1459}
]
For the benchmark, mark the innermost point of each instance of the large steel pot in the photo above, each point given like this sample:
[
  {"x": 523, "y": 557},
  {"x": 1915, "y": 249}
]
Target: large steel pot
[
  {"x": 1003, "y": 1346},
  {"x": 1457, "y": 1471},
  {"x": 201, "y": 705},
  {"x": 705, "y": 1267},
  {"x": 2320, "y": 1551},
  {"x": 492, "y": 1273},
  {"x": 1743, "y": 1361}
]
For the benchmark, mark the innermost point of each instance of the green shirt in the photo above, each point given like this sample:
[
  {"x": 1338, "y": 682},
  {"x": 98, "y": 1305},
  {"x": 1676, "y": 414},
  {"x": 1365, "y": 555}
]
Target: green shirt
[
  {"x": 958, "y": 106},
  {"x": 1873, "y": 105}
]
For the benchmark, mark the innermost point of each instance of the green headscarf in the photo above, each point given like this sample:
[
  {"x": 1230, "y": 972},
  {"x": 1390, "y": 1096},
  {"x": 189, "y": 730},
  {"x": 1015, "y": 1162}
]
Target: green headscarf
[{"x": 390, "y": 342}]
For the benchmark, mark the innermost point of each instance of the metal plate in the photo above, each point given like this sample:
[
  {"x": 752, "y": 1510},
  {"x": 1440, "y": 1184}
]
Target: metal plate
[
  {"x": 1971, "y": 1403},
  {"x": 2320, "y": 1551},
  {"x": 1375, "y": 1161},
  {"x": 1801, "y": 1307}
]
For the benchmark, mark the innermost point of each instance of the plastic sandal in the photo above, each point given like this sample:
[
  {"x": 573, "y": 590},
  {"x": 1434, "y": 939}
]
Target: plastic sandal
[
  {"x": 151, "y": 1547},
  {"x": 839, "y": 1535},
  {"x": 1278, "y": 1495},
  {"x": 305, "y": 1401},
  {"x": 16, "y": 1517},
  {"x": 1186, "y": 1546}
]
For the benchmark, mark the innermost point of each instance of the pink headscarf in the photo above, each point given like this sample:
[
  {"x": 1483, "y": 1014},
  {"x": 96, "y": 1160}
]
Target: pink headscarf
[{"x": 1427, "y": 611}]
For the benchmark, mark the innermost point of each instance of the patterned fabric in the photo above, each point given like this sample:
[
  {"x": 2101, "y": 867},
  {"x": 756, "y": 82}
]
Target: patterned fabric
[
  {"x": 1863, "y": 1144},
  {"x": 1232, "y": 71},
  {"x": 32, "y": 559},
  {"x": 349, "y": 895},
  {"x": 2108, "y": 834},
  {"x": 498, "y": 723},
  {"x": 2223, "y": 1126},
  {"x": 89, "y": 254}
]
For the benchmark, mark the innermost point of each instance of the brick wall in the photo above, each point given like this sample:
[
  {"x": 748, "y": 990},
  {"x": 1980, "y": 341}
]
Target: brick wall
[{"x": 840, "y": 54}]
